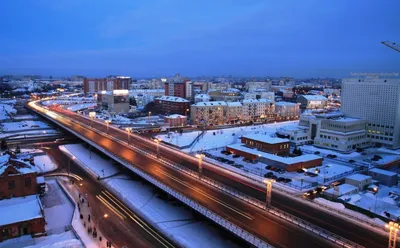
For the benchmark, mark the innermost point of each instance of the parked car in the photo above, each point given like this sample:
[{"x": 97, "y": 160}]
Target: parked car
[
  {"x": 268, "y": 167},
  {"x": 280, "y": 171},
  {"x": 307, "y": 173},
  {"x": 274, "y": 177},
  {"x": 287, "y": 180},
  {"x": 268, "y": 174},
  {"x": 300, "y": 170},
  {"x": 230, "y": 162},
  {"x": 280, "y": 179},
  {"x": 273, "y": 168},
  {"x": 236, "y": 156}
]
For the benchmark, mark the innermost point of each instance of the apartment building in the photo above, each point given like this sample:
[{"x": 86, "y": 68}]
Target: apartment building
[
  {"x": 287, "y": 110},
  {"x": 376, "y": 99},
  {"x": 312, "y": 101},
  {"x": 116, "y": 101},
  {"x": 258, "y": 110},
  {"x": 234, "y": 111},
  {"x": 94, "y": 85},
  {"x": 208, "y": 113}
]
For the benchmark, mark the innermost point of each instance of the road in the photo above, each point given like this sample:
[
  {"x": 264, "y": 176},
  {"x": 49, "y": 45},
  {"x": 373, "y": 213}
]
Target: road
[
  {"x": 257, "y": 221},
  {"x": 329, "y": 222},
  {"x": 125, "y": 231}
]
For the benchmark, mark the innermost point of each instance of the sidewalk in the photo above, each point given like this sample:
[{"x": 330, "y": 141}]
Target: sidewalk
[{"x": 81, "y": 225}]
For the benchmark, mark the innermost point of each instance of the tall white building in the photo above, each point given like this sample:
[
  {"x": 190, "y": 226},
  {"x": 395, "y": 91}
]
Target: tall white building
[{"x": 376, "y": 99}]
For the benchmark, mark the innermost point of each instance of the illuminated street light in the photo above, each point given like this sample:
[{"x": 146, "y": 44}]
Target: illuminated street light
[
  {"x": 149, "y": 117},
  {"x": 129, "y": 130},
  {"x": 158, "y": 141},
  {"x": 393, "y": 229},
  {"x": 108, "y": 124},
  {"x": 200, "y": 157},
  {"x": 105, "y": 216},
  {"x": 268, "y": 182}
]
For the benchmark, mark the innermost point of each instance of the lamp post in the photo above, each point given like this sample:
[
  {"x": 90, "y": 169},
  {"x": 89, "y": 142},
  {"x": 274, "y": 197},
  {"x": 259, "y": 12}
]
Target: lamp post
[
  {"x": 128, "y": 130},
  {"x": 200, "y": 157},
  {"x": 105, "y": 216},
  {"x": 148, "y": 119},
  {"x": 376, "y": 191},
  {"x": 259, "y": 156},
  {"x": 187, "y": 113},
  {"x": 158, "y": 146},
  {"x": 268, "y": 192},
  {"x": 108, "y": 125},
  {"x": 393, "y": 229}
]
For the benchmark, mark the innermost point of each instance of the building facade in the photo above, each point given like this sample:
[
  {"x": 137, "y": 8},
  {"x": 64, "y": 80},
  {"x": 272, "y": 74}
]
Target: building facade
[
  {"x": 175, "y": 120},
  {"x": 94, "y": 85},
  {"x": 116, "y": 101},
  {"x": 234, "y": 111},
  {"x": 287, "y": 110},
  {"x": 172, "y": 105},
  {"x": 258, "y": 110},
  {"x": 208, "y": 113},
  {"x": 268, "y": 144},
  {"x": 201, "y": 98},
  {"x": 376, "y": 99},
  {"x": 312, "y": 101}
]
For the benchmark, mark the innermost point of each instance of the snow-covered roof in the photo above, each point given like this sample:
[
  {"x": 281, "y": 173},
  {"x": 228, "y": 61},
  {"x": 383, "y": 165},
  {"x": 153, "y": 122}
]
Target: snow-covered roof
[
  {"x": 4, "y": 159},
  {"x": 342, "y": 189},
  {"x": 265, "y": 138},
  {"x": 358, "y": 177},
  {"x": 172, "y": 99},
  {"x": 234, "y": 104},
  {"x": 346, "y": 119},
  {"x": 202, "y": 96},
  {"x": 285, "y": 104},
  {"x": 19, "y": 209},
  {"x": 40, "y": 180},
  {"x": 315, "y": 97},
  {"x": 383, "y": 172},
  {"x": 256, "y": 100},
  {"x": 284, "y": 160},
  {"x": 174, "y": 116},
  {"x": 216, "y": 103}
]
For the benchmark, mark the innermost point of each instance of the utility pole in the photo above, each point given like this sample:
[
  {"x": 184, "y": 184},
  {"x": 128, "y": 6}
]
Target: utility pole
[
  {"x": 393, "y": 230},
  {"x": 268, "y": 193},
  {"x": 200, "y": 157}
]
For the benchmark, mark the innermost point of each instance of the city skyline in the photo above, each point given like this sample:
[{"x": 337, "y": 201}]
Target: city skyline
[{"x": 159, "y": 38}]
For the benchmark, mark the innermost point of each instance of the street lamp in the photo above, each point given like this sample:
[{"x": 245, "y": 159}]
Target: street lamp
[
  {"x": 200, "y": 157},
  {"x": 376, "y": 190},
  {"x": 259, "y": 156},
  {"x": 149, "y": 117},
  {"x": 108, "y": 124},
  {"x": 158, "y": 141},
  {"x": 187, "y": 113},
  {"x": 105, "y": 216},
  {"x": 268, "y": 182},
  {"x": 393, "y": 229},
  {"x": 129, "y": 130}
]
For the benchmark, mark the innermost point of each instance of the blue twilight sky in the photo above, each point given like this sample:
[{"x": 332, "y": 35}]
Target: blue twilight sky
[{"x": 145, "y": 38}]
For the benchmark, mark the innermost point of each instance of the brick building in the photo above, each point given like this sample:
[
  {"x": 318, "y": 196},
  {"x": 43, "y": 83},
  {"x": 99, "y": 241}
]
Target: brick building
[
  {"x": 179, "y": 86},
  {"x": 268, "y": 144},
  {"x": 172, "y": 105},
  {"x": 175, "y": 120},
  {"x": 94, "y": 85}
]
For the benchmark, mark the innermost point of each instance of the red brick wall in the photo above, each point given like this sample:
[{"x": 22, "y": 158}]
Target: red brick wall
[
  {"x": 101, "y": 84},
  {"x": 270, "y": 148},
  {"x": 34, "y": 226},
  {"x": 309, "y": 164},
  {"x": 19, "y": 185},
  {"x": 241, "y": 153}
]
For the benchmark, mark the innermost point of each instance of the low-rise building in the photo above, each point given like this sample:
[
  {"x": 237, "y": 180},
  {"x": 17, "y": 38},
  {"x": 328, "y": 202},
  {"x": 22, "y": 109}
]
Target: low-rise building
[
  {"x": 341, "y": 190},
  {"x": 269, "y": 95},
  {"x": 266, "y": 143},
  {"x": 297, "y": 135},
  {"x": 287, "y": 110},
  {"x": 385, "y": 177},
  {"x": 116, "y": 101},
  {"x": 21, "y": 216},
  {"x": 172, "y": 105},
  {"x": 312, "y": 101},
  {"x": 359, "y": 180},
  {"x": 333, "y": 131},
  {"x": 175, "y": 120},
  {"x": 233, "y": 111},
  {"x": 258, "y": 110}
]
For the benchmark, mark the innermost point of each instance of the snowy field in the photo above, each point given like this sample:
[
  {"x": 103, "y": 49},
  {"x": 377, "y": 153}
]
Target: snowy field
[
  {"x": 23, "y": 125},
  {"x": 222, "y": 137},
  {"x": 6, "y": 108},
  {"x": 43, "y": 164},
  {"x": 98, "y": 165},
  {"x": 176, "y": 221}
]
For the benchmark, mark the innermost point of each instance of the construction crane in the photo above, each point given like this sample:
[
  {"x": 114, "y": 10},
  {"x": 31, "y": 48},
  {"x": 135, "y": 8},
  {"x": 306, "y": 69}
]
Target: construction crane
[{"x": 392, "y": 45}]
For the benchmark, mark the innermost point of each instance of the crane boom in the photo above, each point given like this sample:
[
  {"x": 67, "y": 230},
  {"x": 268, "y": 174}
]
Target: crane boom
[{"x": 392, "y": 45}]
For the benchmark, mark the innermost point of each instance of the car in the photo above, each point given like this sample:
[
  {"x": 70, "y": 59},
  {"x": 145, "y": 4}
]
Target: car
[
  {"x": 230, "y": 162},
  {"x": 335, "y": 183},
  {"x": 280, "y": 171},
  {"x": 310, "y": 174},
  {"x": 268, "y": 174},
  {"x": 280, "y": 179},
  {"x": 273, "y": 168},
  {"x": 274, "y": 177},
  {"x": 268, "y": 167},
  {"x": 300, "y": 170},
  {"x": 287, "y": 180},
  {"x": 236, "y": 156}
]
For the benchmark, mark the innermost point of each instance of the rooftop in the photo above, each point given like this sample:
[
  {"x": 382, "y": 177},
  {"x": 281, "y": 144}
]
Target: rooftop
[
  {"x": 20, "y": 209},
  {"x": 284, "y": 160},
  {"x": 384, "y": 172},
  {"x": 285, "y": 104},
  {"x": 234, "y": 104},
  {"x": 216, "y": 103},
  {"x": 256, "y": 100},
  {"x": 174, "y": 116},
  {"x": 358, "y": 177},
  {"x": 172, "y": 99},
  {"x": 315, "y": 97},
  {"x": 342, "y": 189},
  {"x": 265, "y": 138}
]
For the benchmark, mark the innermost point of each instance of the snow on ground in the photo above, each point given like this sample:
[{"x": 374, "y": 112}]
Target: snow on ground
[
  {"x": 43, "y": 163},
  {"x": 23, "y": 125},
  {"x": 6, "y": 109},
  {"x": 24, "y": 117},
  {"x": 62, "y": 240},
  {"x": 222, "y": 137},
  {"x": 177, "y": 221},
  {"x": 98, "y": 165},
  {"x": 327, "y": 172},
  {"x": 58, "y": 209}
]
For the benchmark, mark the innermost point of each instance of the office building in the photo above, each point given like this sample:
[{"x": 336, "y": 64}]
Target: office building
[
  {"x": 116, "y": 101},
  {"x": 376, "y": 99}
]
